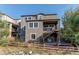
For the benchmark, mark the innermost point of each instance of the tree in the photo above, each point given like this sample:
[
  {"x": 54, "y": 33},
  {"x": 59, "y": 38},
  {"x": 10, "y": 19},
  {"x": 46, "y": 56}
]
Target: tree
[
  {"x": 4, "y": 28},
  {"x": 71, "y": 25}
]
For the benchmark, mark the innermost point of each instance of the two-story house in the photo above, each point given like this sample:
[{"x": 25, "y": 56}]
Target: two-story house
[{"x": 42, "y": 27}]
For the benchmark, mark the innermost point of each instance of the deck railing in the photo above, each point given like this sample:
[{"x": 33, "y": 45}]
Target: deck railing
[{"x": 48, "y": 29}]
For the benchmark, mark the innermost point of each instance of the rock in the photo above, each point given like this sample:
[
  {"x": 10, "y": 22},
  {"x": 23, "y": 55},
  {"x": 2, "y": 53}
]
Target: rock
[
  {"x": 21, "y": 53},
  {"x": 30, "y": 52}
]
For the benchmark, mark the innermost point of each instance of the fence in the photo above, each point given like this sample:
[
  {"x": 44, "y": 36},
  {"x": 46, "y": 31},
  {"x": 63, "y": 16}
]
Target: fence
[
  {"x": 46, "y": 47},
  {"x": 54, "y": 48}
]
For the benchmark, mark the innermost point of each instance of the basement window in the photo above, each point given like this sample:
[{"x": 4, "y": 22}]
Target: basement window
[{"x": 33, "y": 36}]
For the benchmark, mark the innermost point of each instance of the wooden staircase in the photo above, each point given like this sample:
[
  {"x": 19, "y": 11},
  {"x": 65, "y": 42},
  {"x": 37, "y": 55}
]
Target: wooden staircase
[{"x": 45, "y": 36}]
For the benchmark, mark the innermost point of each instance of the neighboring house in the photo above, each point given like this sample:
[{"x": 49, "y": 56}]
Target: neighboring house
[
  {"x": 43, "y": 27},
  {"x": 11, "y": 22}
]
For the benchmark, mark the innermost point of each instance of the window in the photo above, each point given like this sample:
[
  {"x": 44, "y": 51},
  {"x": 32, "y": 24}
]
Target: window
[
  {"x": 26, "y": 18},
  {"x": 32, "y": 36},
  {"x": 29, "y": 18},
  {"x": 33, "y": 25},
  {"x": 24, "y": 28},
  {"x": 40, "y": 17}
]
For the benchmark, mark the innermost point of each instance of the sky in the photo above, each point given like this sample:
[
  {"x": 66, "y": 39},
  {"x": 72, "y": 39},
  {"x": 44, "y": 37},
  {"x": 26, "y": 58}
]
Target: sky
[{"x": 16, "y": 10}]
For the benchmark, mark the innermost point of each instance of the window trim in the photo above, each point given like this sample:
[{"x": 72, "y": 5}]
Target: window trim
[
  {"x": 40, "y": 17},
  {"x": 36, "y": 27},
  {"x": 29, "y": 25},
  {"x": 33, "y": 25},
  {"x": 31, "y": 37},
  {"x": 28, "y": 18}
]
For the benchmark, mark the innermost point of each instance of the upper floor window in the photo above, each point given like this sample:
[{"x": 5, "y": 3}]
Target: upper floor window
[
  {"x": 40, "y": 17},
  {"x": 36, "y": 25},
  {"x": 29, "y": 18},
  {"x": 33, "y": 25}
]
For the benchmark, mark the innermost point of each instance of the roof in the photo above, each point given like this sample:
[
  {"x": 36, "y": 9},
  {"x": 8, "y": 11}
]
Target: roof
[
  {"x": 27, "y": 15},
  {"x": 2, "y": 13},
  {"x": 10, "y": 21},
  {"x": 37, "y": 14},
  {"x": 5, "y": 14},
  {"x": 45, "y": 20},
  {"x": 45, "y": 14}
]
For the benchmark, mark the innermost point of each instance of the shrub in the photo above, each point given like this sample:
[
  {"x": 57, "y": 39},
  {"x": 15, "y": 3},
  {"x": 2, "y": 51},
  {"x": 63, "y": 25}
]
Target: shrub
[
  {"x": 11, "y": 39},
  {"x": 3, "y": 41}
]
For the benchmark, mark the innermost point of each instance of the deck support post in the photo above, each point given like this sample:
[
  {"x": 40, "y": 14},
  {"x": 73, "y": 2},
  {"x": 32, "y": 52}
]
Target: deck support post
[{"x": 58, "y": 38}]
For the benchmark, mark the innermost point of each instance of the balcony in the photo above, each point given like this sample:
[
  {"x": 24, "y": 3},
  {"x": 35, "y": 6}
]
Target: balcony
[{"x": 48, "y": 29}]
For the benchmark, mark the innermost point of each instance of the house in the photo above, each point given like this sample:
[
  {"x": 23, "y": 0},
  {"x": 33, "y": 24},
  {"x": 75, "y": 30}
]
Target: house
[
  {"x": 11, "y": 22},
  {"x": 42, "y": 27}
]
